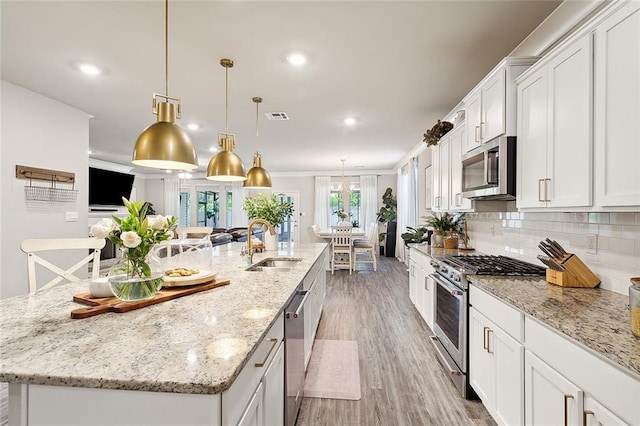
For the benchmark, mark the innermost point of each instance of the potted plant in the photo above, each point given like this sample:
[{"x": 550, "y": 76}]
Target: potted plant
[
  {"x": 270, "y": 209},
  {"x": 387, "y": 215},
  {"x": 415, "y": 235},
  {"x": 445, "y": 224}
]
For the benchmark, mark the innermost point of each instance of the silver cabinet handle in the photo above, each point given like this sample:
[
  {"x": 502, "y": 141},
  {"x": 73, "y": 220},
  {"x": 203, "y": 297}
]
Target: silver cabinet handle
[
  {"x": 539, "y": 192},
  {"x": 489, "y": 341},
  {"x": 274, "y": 342},
  {"x": 547, "y": 181},
  {"x": 477, "y": 139},
  {"x": 481, "y": 123}
]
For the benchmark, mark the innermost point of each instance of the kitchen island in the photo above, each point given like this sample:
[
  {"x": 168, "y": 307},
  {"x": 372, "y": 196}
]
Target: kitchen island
[{"x": 178, "y": 356}]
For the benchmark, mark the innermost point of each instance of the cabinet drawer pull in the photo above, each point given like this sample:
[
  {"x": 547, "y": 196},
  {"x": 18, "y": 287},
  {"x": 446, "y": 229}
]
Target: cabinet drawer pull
[
  {"x": 477, "y": 139},
  {"x": 567, "y": 397},
  {"x": 547, "y": 181},
  {"x": 540, "y": 192},
  {"x": 274, "y": 342},
  {"x": 485, "y": 346},
  {"x": 481, "y": 123},
  {"x": 489, "y": 341},
  {"x": 585, "y": 413},
  {"x": 426, "y": 283}
]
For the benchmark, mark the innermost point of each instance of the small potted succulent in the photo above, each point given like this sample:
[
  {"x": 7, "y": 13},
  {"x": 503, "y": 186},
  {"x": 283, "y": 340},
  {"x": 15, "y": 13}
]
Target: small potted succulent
[{"x": 445, "y": 225}]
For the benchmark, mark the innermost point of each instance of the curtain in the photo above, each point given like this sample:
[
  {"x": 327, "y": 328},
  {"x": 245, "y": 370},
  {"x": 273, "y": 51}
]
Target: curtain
[
  {"x": 321, "y": 204},
  {"x": 172, "y": 197},
  {"x": 238, "y": 195},
  {"x": 368, "y": 201}
]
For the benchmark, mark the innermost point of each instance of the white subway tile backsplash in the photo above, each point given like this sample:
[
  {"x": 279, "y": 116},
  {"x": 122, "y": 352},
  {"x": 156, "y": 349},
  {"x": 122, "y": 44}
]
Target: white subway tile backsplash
[{"x": 517, "y": 234}]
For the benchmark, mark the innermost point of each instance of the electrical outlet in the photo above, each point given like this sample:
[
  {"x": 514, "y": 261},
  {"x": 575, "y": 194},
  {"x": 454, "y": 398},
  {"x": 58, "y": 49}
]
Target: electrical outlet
[
  {"x": 592, "y": 243},
  {"x": 71, "y": 217}
]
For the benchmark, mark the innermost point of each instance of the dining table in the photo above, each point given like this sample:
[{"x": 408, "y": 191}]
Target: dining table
[{"x": 355, "y": 232}]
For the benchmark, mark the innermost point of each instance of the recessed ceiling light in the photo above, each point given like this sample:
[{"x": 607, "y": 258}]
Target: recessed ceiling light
[
  {"x": 349, "y": 121},
  {"x": 213, "y": 149},
  {"x": 193, "y": 126},
  {"x": 297, "y": 59},
  {"x": 89, "y": 69}
]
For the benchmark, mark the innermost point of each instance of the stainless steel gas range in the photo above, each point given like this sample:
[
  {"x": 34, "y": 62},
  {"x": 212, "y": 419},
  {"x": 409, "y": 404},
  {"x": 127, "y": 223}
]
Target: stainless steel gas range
[{"x": 452, "y": 307}]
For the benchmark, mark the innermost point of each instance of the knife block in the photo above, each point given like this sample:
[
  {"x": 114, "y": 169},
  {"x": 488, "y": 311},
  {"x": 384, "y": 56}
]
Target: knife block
[{"x": 576, "y": 273}]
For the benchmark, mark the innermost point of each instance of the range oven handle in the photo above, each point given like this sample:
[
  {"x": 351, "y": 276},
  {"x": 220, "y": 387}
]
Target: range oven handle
[
  {"x": 452, "y": 371},
  {"x": 455, "y": 291},
  {"x": 296, "y": 313}
]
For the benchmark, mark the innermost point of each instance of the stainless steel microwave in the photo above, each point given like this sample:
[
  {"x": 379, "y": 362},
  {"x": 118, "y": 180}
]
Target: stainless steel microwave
[{"x": 489, "y": 171}]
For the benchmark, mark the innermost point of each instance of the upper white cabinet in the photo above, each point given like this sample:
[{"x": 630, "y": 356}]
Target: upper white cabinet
[
  {"x": 490, "y": 106},
  {"x": 446, "y": 167},
  {"x": 440, "y": 175},
  {"x": 617, "y": 108},
  {"x": 457, "y": 139},
  {"x": 554, "y": 130}
]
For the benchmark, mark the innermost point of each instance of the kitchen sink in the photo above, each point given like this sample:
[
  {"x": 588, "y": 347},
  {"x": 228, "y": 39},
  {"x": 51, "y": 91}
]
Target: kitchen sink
[{"x": 274, "y": 265}]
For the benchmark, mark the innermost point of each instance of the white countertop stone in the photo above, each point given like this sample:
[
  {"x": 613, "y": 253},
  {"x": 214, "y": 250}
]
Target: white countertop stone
[{"x": 168, "y": 347}]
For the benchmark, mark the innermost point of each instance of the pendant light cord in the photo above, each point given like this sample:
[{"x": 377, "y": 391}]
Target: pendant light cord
[
  {"x": 257, "y": 138},
  {"x": 226, "y": 98},
  {"x": 166, "y": 47}
]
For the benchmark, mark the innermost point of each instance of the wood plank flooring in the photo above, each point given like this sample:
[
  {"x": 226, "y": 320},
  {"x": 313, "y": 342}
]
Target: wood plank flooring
[{"x": 401, "y": 380}]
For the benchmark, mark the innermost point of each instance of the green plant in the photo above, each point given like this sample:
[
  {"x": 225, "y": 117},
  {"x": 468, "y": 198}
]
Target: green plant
[
  {"x": 446, "y": 222},
  {"x": 342, "y": 215},
  {"x": 415, "y": 235},
  {"x": 387, "y": 212},
  {"x": 270, "y": 209}
]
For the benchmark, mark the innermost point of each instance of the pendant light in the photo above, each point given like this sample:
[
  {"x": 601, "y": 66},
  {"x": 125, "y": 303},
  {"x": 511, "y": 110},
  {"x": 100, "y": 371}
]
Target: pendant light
[
  {"x": 164, "y": 144},
  {"x": 226, "y": 166},
  {"x": 257, "y": 176}
]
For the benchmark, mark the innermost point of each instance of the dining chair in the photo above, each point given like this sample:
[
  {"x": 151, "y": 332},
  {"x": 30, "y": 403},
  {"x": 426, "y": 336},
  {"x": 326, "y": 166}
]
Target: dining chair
[
  {"x": 203, "y": 232},
  {"x": 33, "y": 246},
  {"x": 341, "y": 248},
  {"x": 367, "y": 246}
]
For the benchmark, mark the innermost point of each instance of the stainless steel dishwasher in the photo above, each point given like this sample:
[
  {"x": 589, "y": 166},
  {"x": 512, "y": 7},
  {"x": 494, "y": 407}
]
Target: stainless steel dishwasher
[{"x": 294, "y": 354}]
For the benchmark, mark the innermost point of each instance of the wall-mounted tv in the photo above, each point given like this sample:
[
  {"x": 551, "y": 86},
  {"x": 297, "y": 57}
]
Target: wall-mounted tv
[{"x": 106, "y": 188}]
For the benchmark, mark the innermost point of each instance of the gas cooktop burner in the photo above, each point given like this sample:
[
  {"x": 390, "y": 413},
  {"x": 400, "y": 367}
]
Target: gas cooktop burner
[{"x": 495, "y": 265}]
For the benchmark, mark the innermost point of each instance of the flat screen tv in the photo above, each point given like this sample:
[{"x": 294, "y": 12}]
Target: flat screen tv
[{"x": 106, "y": 188}]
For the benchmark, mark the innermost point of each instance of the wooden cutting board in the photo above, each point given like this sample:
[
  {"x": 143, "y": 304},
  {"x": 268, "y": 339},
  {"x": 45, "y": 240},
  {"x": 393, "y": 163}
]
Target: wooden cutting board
[{"x": 101, "y": 305}]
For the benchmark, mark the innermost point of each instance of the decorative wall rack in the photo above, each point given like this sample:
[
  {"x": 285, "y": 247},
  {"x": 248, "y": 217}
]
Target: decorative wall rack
[{"x": 51, "y": 193}]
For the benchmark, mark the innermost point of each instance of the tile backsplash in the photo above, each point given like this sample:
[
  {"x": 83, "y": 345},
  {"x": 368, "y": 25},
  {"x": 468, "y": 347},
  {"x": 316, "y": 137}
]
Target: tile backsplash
[{"x": 517, "y": 234}]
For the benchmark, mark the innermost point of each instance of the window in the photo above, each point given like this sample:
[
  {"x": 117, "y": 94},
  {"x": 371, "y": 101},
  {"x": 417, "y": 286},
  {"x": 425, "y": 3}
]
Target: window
[
  {"x": 336, "y": 205},
  {"x": 185, "y": 208},
  {"x": 208, "y": 208},
  {"x": 229, "y": 208}
]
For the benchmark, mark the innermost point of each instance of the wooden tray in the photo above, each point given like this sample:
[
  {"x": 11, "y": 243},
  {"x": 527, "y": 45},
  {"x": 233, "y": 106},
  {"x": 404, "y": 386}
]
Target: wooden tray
[
  {"x": 199, "y": 278},
  {"x": 101, "y": 305}
]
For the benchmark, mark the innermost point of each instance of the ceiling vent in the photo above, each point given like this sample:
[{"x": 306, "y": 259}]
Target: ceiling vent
[{"x": 278, "y": 116}]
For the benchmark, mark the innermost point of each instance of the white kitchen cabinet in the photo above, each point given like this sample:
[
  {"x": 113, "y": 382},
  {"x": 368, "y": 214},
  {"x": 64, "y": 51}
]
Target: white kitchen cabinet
[
  {"x": 457, "y": 202},
  {"x": 421, "y": 287},
  {"x": 427, "y": 290},
  {"x": 313, "y": 309},
  {"x": 550, "y": 399},
  {"x": 413, "y": 283},
  {"x": 273, "y": 382},
  {"x": 617, "y": 108},
  {"x": 440, "y": 175},
  {"x": 496, "y": 369},
  {"x": 595, "y": 414},
  {"x": 554, "y": 130},
  {"x": 254, "y": 413},
  {"x": 490, "y": 106}
]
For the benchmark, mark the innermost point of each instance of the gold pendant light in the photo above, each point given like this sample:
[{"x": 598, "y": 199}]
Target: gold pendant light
[
  {"x": 257, "y": 176},
  {"x": 164, "y": 144},
  {"x": 226, "y": 166}
]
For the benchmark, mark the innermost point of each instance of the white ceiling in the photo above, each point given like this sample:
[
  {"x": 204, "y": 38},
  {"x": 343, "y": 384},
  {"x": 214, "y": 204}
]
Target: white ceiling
[{"x": 395, "y": 66}]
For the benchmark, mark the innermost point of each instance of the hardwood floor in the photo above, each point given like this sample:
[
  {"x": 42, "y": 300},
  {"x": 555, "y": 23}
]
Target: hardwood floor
[{"x": 401, "y": 380}]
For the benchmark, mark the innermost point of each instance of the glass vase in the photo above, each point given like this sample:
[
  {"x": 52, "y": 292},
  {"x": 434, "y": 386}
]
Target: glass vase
[
  {"x": 437, "y": 239},
  {"x": 134, "y": 279}
]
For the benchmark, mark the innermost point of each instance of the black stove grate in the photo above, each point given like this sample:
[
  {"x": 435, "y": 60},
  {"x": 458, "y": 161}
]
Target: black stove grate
[{"x": 495, "y": 265}]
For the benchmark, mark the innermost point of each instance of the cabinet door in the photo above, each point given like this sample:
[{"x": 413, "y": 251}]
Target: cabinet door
[
  {"x": 273, "y": 381},
  {"x": 436, "y": 201},
  {"x": 480, "y": 363},
  {"x": 253, "y": 414},
  {"x": 595, "y": 414},
  {"x": 570, "y": 136},
  {"x": 532, "y": 140},
  {"x": 473, "y": 117},
  {"x": 445, "y": 183},
  {"x": 493, "y": 107},
  {"x": 617, "y": 108},
  {"x": 508, "y": 370},
  {"x": 456, "y": 201},
  {"x": 426, "y": 302},
  {"x": 550, "y": 399},
  {"x": 412, "y": 281}
]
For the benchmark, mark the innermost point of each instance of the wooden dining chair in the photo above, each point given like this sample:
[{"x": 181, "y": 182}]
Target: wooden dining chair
[
  {"x": 367, "y": 247},
  {"x": 33, "y": 246},
  {"x": 341, "y": 248}
]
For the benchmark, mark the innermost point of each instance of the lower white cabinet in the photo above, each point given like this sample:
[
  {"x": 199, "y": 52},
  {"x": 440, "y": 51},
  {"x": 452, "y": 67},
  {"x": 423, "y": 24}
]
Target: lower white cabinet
[
  {"x": 496, "y": 369},
  {"x": 552, "y": 399},
  {"x": 313, "y": 311},
  {"x": 254, "y": 413},
  {"x": 273, "y": 383},
  {"x": 421, "y": 286}
]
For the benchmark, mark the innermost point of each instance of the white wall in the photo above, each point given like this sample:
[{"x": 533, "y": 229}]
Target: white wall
[
  {"x": 39, "y": 132},
  {"x": 154, "y": 193}
]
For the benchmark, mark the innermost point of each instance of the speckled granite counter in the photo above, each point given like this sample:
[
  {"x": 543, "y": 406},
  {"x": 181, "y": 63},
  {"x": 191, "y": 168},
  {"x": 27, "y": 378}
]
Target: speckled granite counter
[
  {"x": 196, "y": 344},
  {"x": 598, "y": 319}
]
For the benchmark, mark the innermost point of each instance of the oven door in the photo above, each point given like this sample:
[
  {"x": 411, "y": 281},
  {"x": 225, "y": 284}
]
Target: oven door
[{"x": 450, "y": 323}]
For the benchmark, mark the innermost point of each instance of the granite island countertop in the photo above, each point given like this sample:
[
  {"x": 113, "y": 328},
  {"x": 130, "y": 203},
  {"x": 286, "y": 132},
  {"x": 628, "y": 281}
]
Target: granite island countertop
[
  {"x": 593, "y": 317},
  {"x": 196, "y": 344}
]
